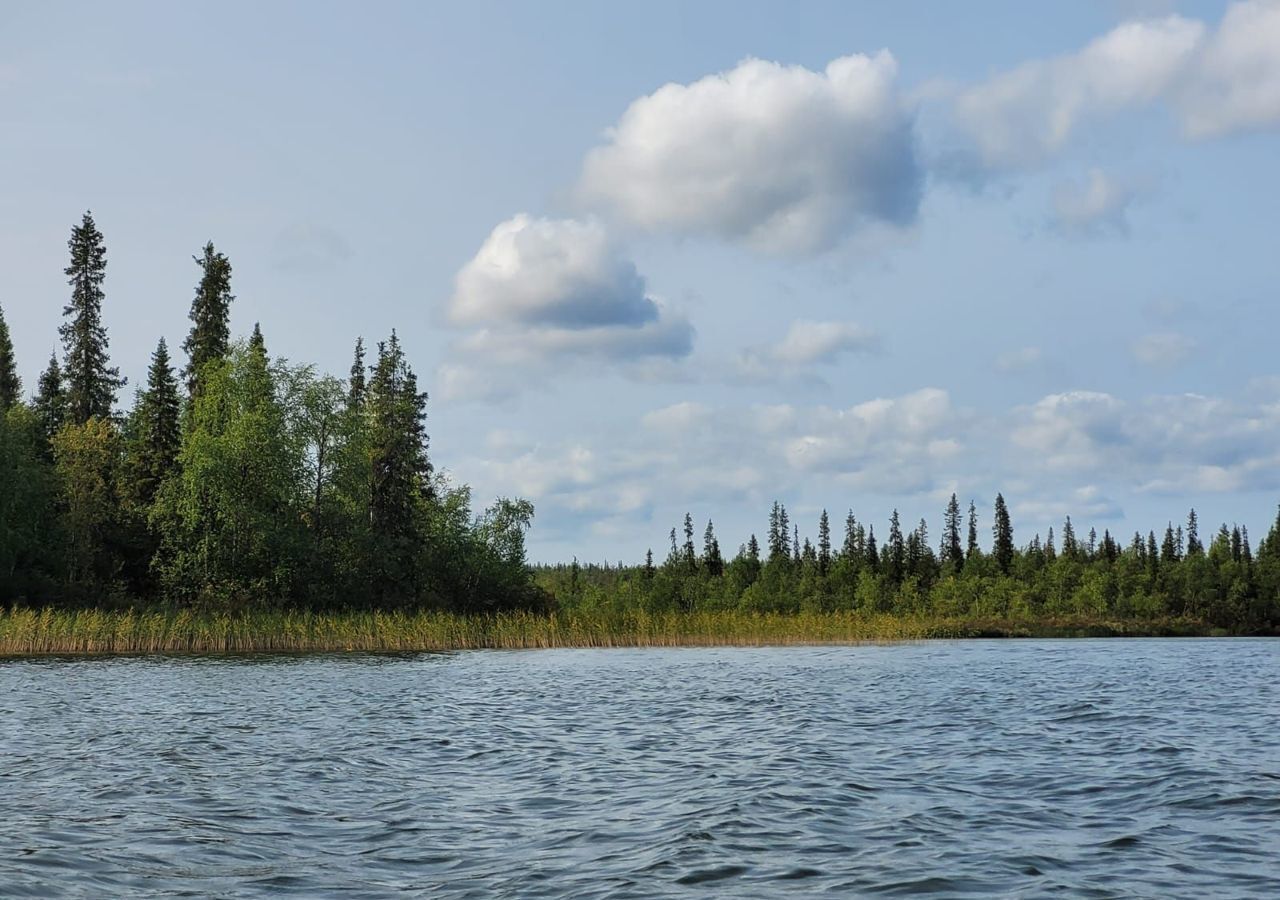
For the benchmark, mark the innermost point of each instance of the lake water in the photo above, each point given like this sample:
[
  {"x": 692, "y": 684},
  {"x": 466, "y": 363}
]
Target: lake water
[{"x": 1080, "y": 768}]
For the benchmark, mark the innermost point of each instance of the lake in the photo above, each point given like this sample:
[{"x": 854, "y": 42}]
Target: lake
[{"x": 1081, "y": 768}]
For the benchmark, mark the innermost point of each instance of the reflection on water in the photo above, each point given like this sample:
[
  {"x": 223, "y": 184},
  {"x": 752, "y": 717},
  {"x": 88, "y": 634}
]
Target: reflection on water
[{"x": 1081, "y": 768}]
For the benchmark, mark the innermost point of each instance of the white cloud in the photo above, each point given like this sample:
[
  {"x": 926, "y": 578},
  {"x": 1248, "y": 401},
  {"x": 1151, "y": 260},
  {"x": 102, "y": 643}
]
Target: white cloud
[
  {"x": 1215, "y": 82},
  {"x": 1164, "y": 348},
  {"x": 806, "y": 344},
  {"x": 781, "y": 157},
  {"x": 1020, "y": 117},
  {"x": 1099, "y": 204},
  {"x": 543, "y": 292},
  {"x": 812, "y": 342},
  {"x": 1236, "y": 82},
  {"x": 551, "y": 272}
]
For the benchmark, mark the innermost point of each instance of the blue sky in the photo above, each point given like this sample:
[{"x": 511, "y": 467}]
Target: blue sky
[{"x": 675, "y": 256}]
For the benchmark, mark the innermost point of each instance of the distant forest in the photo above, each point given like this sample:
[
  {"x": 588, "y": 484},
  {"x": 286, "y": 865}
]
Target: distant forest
[
  {"x": 242, "y": 482},
  {"x": 1225, "y": 583},
  {"x": 238, "y": 482}
]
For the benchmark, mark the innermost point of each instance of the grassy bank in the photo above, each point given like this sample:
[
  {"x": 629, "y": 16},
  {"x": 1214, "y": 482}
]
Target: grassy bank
[{"x": 32, "y": 632}]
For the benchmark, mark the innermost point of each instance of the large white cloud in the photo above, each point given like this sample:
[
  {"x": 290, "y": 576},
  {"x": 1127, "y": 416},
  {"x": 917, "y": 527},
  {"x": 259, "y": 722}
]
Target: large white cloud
[
  {"x": 540, "y": 292},
  {"x": 782, "y": 157}
]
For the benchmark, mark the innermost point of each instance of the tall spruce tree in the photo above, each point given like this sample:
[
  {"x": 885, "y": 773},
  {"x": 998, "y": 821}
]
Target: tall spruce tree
[
  {"x": 400, "y": 473},
  {"x": 972, "y": 549},
  {"x": 952, "y": 551},
  {"x": 1002, "y": 531},
  {"x": 824, "y": 543},
  {"x": 10, "y": 383},
  {"x": 711, "y": 556},
  {"x": 210, "y": 335},
  {"x": 91, "y": 383},
  {"x": 155, "y": 438}
]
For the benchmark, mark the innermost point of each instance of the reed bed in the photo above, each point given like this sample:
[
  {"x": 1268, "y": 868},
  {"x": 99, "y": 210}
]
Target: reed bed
[{"x": 26, "y": 632}]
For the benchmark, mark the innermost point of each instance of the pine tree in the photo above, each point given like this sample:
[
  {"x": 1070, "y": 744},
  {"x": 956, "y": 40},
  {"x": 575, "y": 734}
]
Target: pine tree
[
  {"x": 1050, "y": 551},
  {"x": 356, "y": 383},
  {"x": 952, "y": 552},
  {"x": 258, "y": 344},
  {"x": 795, "y": 544},
  {"x": 10, "y": 383},
  {"x": 1069, "y": 547},
  {"x": 1002, "y": 531},
  {"x": 1169, "y": 550},
  {"x": 824, "y": 543},
  {"x": 784, "y": 535},
  {"x": 649, "y": 570},
  {"x": 155, "y": 437},
  {"x": 210, "y": 335},
  {"x": 870, "y": 553},
  {"x": 51, "y": 399},
  {"x": 91, "y": 384}
]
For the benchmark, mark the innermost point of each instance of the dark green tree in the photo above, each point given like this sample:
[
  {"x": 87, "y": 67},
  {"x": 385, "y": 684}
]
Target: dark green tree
[
  {"x": 356, "y": 385},
  {"x": 1002, "y": 547},
  {"x": 10, "y": 383},
  {"x": 711, "y": 557},
  {"x": 51, "y": 400},
  {"x": 824, "y": 543},
  {"x": 1194, "y": 546},
  {"x": 154, "y": 434},
  {"x": 210, "y": 335},
  {"x": 91, "y": 383},
  {"x": 972, "y": 549},
  {"x": 952, "y": 551}
]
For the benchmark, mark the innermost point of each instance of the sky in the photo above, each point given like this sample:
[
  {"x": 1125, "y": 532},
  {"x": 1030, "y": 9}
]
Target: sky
[{"x": 667, "y": 257}]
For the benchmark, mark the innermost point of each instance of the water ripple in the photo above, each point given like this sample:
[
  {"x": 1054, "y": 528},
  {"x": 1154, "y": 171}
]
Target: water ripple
[{"x": 1082, "y": 769}]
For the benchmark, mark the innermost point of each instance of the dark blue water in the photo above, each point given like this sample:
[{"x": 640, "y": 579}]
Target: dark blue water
[{"x": 1076, "y": 768}]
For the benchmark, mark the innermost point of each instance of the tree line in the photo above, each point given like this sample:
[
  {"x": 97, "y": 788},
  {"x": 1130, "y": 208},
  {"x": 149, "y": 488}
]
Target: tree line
[
  {"x": 1223, "y": 582},
  {"x": 237, "y": 481}
]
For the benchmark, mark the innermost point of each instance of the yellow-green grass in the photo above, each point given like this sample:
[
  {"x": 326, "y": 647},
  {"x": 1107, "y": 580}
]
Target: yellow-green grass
[{"x": 46, "y": 631}]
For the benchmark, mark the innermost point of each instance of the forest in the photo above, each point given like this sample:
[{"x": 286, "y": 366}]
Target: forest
[
  {"x": 242, "y": 482},
  {"x": 238, "y": 482},
  {"x": 1225, "y": 584}
]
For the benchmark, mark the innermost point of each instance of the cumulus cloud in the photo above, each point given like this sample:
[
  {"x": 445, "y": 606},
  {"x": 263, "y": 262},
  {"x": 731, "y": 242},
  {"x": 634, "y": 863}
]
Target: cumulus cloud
[
  {"x": 541, "y": 291},
  {"x": 1022, "y": 116},
  {"x": 1164, "y": 348},
  {"x": 556, "y": 272},
  {"x": 1095, "y": 206},
  {"x": 1236, "y": 82},
  {"x": 784, "y": 158},
  {"x": 1215, "y": 81}
]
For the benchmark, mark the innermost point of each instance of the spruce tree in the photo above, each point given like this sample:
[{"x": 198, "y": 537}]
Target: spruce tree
[
  {"x": 1002, "y": 548},
  {"x": 851, "y": 546},
  {"x": 210, "y": 335},
  {"x": 972, "y": 549},
  {"x": 400, "y": 471},
  {"x": 10, "y": 383},
  {"x": 824, "y": 543},
  {"x": 896, "y": 548},
  {"x": 1194, "y": 546},
  {"x": 155, "y": 439},
  {"x": 711, "y": 557},
  {"x": 51, "y": 399},
  {"x": 795, "y": 544},
  {"x": 356, "y": 383},
  {"x": 91, "y": 384},
  {"x": 952, "y": 552},
  {"x": 689, "y": 557}
]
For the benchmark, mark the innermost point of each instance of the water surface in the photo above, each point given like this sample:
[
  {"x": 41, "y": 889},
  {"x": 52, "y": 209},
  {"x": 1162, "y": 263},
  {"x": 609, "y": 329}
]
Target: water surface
[{"x": 968, "y": 769}]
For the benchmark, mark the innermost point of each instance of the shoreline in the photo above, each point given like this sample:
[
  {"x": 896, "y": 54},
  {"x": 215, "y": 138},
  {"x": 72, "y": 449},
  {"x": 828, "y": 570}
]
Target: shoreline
[{"x": 28, "y": 632}]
